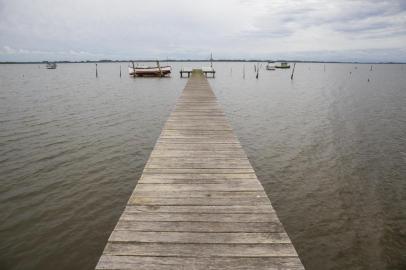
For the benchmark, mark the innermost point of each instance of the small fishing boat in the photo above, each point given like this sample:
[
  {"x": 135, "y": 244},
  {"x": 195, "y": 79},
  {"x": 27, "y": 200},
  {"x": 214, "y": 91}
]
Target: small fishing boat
[
  {"x": 283, "y": 65},
  {"x": 50, "y": 65},
  {"x": 270, "y": 66},
  {"x": 149, "y": 71}
]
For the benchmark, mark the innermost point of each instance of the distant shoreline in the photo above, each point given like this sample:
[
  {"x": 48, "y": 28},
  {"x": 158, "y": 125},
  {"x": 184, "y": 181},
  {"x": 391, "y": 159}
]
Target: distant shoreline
[{"x": 197, "y": 60}]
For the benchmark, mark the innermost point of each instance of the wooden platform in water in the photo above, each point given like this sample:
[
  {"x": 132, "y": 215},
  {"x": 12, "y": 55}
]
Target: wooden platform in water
[{"x": 198, "y": 204}]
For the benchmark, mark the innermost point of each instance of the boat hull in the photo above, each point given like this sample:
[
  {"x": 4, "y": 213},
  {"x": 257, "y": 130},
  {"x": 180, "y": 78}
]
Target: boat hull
[
  {"x": 50, "y": 66},
  {"x": 149, "y": 71}
]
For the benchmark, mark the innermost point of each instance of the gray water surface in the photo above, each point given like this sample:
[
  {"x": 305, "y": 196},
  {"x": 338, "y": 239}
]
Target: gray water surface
[{"x": 329, "y": 148}]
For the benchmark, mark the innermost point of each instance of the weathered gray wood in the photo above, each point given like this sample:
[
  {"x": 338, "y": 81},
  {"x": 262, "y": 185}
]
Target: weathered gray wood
[
  {"x": 198, "y": 147},
  {"x": 203, "y": 154},
  {"x": 139, "y": 200},
  {"x": 200, "y": 194},
  {"x": 197, "y": 170},
  {"x": 198, "y": 204},
  {"x": 194, "y": 181},
  {"x": 206, "y": 217},
  {"x": 200, "y": 176},
  {"x": 198, "y": 263},
  {"x": 209, "y": 164},
  {"x": 195, "y": 237},
  {"x": 199, "y": 250},
  {"x": 197, "y": 140},
  {"x": 213, "y": 209},
  {"x": 233, "y": 186},
  {"x": 187, "y": 226}
]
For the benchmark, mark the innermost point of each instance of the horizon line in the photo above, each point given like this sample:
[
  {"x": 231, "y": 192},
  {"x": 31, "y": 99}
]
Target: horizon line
[{"x": 198, "y": 60}]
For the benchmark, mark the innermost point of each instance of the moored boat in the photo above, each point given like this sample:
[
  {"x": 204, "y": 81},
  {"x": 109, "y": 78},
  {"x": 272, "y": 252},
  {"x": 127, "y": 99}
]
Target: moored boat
[
  {"x": 156, "y": 71},
  {"x": 50, "y": 65},
  {"x": 270, "y": 65},
  {"x": 283, "y": 65}
]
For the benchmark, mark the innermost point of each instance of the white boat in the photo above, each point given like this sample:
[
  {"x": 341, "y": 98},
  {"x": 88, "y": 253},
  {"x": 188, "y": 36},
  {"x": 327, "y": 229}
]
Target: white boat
[
  {"x": 270, "y": 65},
  {"x": 284, "y": 65},
  {"x": 50, "y": 66},
  {"x": 156, "y": 71}
]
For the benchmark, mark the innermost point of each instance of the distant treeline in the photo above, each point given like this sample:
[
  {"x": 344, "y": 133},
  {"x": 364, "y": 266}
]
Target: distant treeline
[{"x": 195, "y": 60}]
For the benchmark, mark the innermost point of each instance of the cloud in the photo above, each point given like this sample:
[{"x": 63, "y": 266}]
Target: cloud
[
  {"x": 54, "y": 55},
  {"x": 191, "y": 29}
]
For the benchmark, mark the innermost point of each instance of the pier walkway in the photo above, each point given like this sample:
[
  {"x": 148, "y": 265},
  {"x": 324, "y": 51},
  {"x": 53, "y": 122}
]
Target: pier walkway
[{"x": 198, "y": 204}]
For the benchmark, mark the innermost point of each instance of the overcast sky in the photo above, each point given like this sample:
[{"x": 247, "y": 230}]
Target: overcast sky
[{"x": 343, "y": 30}]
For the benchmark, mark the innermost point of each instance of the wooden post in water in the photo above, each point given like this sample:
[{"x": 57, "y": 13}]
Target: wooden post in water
[
  {"x": 96, "y": 72},
  {"x": 293, "y": 71},
  {"x": 133, "y": 68},
  {"x": 120, "y": 70},
  {"x": 159, "y": 67}
]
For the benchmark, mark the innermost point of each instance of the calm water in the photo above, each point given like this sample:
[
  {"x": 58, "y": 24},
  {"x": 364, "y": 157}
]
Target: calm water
[{"x": 329, "y": 148}]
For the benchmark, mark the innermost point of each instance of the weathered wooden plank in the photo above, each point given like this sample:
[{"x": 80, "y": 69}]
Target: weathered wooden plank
[
  {"x": 138, "y": 200},
  {"x": 201, "y": 176},
  {"x": 198, "y": 117},
  {"x": 197, "y": 140},
  {"x": 250, "y": 186},
  {"x": 184, "y": 226},
  {"x": 200, "y": 250},
  {"x": 197, "y": 170},
  {"x": 197, "y": 127},
  {"x": 197, "y": 147},
  {"x": 199, "y": 194},
  {"x": 194, "y": 159},
  {"x": 193, "y": 133},
  {"x": 197, "y": 165},
  {"x": 193, "y": 153},
  {"x": 214, "y": 209},
  {"x": 196, "y": 181},
  {"x": 196, "y": 237},
  {"x": 208, "y": 217},
  {"x": 198, "y": 263}
]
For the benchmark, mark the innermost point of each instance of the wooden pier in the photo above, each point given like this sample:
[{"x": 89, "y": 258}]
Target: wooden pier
[
  {"x": 187, "y": 71},
  {"x": 198, "y": 204},
  {"x": 206, "y": 71}
]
